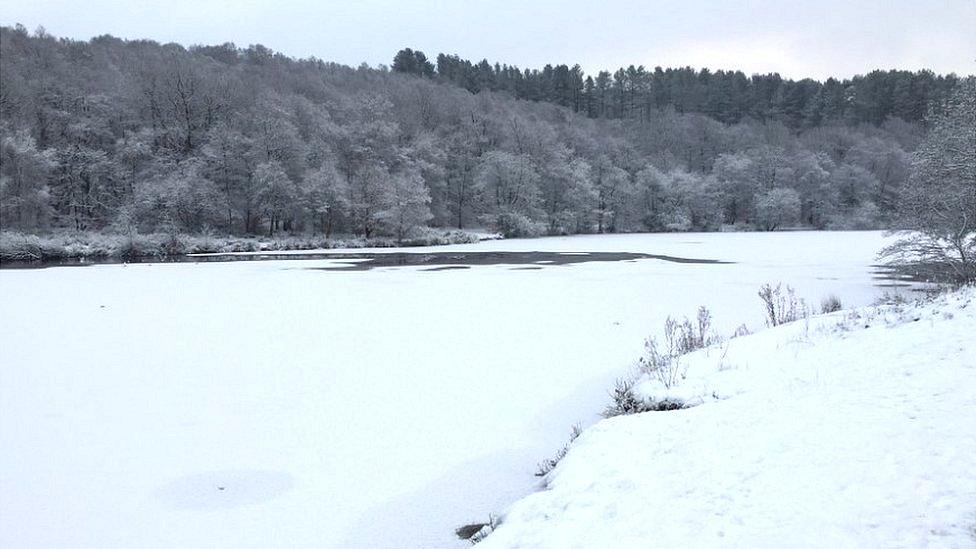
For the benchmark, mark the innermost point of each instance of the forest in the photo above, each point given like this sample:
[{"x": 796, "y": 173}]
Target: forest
[
  {"x": 133, "y": 136},
  {"x": 727, "y": 96}
]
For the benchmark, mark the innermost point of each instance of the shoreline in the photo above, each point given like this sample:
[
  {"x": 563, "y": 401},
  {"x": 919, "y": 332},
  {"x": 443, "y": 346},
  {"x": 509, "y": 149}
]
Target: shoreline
[{"x": 24, "y": 250}]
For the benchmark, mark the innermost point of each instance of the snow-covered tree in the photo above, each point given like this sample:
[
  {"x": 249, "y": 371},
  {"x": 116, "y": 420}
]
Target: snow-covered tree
[
  {"x": 777, "y": 208},
  {"x": 508, "y": 185},
  {"x": 182, "y": 199},
  {"x": 24, "y": 172},
  {"x": 939, "y": 201},
  {"x": 615, "y": 190},
  {"x": 278, "y": 195},
  {"x": 370, "y": 195},
  {"x": 408, "y": 206},
  {"x": 326, "y": 193}
]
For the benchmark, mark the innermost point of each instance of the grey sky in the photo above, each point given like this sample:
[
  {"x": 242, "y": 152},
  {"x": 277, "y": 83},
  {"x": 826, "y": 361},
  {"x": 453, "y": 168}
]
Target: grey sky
[{"x": 813, "y": 38}]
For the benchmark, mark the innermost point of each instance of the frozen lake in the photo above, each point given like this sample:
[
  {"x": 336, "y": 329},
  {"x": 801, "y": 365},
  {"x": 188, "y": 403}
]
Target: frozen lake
[{"x": 278, "y": 404}]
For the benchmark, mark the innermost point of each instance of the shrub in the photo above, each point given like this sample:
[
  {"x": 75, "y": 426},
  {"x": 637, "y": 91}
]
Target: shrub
[
  {"x": 831, "y": 304},
  {"x": 132, "y": 247},
  {"x": 742, "y": 330},
  {"x": 782, "y": 307},
  {"x": 890, "y": 298},
  {"x": 549, "y": 464},
  {"x": 18, "y": 247},
  {"x": 625, "y": 401},
  {"x": 663, "y": 366},
  {"x": 431, "y": 237},
  {"x": 173, "y": 244},
  {"x": 515, "y": 225},
  {"x": 680, "y": 338}
]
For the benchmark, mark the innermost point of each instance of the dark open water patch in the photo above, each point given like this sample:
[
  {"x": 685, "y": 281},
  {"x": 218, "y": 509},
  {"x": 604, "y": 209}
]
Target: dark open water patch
[
  {"x": 443, "y": 261},
  {"x": 913, "y": 278},
  {"x": 925, "y": 273},
  {"x": 888, "y": 276},
  {"x": 449, "y": 268},
  {"x": 437, "y": 261}
]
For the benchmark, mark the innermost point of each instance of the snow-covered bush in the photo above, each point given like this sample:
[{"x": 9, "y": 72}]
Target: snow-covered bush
[
  {"x": 890, "y": 298},
  {"x": 549, "y": 464},
  {"x": 741, "y": 330},
  {"x": 663, "y": 362},
  {"x": 782, "y": 306},
  {"x": 515, "y": 225},
  {"x": 626, "y": 401},
  {"x": 664, "y": 366},
  {"x": 431, "y": 237},
  {"x": 129, "y": 247},
  {"x": 831, "y": 304},
  {"x": 20, "y": 247}
]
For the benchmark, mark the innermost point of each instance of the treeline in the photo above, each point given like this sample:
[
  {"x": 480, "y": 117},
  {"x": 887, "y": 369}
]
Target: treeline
[
  {"x": 136, "y": 136},
  {"x": 727, "y": 96}
]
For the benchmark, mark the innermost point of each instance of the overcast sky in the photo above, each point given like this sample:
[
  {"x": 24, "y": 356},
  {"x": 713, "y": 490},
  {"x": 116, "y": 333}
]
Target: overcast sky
[{"x": 797, "y": 39}]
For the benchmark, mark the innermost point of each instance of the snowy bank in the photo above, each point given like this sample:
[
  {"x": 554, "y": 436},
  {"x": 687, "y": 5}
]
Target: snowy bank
[
  {"x": 67, "y": 245},
  {"x": 853, "y": 429}
]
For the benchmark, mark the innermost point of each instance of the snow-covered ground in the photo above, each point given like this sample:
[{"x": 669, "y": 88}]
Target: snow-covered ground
[
  {"x": 267, "y": 404},
  {"x": 855, "y": 429}
]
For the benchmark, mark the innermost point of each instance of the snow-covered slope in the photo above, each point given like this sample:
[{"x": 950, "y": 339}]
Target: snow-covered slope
[{"x": 855, "y": 429}]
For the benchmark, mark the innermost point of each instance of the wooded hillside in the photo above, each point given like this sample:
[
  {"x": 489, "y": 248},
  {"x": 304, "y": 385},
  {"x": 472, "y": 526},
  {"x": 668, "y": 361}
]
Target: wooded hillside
[{"x": 110, "y": 134}]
